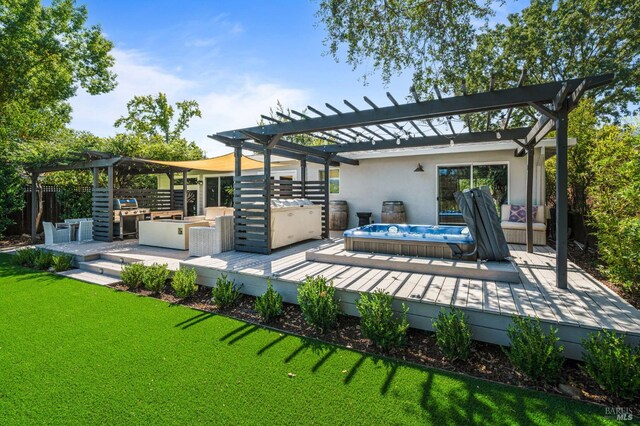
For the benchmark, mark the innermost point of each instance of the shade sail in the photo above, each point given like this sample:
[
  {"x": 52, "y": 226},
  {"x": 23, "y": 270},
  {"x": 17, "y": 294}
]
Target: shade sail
[{"x": 223, "y": 163}]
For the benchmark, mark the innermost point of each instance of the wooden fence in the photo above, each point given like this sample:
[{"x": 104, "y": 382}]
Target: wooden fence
[{"x": 52, "y": 208}]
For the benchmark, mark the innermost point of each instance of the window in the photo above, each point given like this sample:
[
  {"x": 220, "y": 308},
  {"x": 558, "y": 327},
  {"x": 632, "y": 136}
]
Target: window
[
  {"x": 334, "y": 180},
  {"x": 219, "y": 191},
  {"x": 458, "y": 178},
  {"x": 190, "y": 181}
]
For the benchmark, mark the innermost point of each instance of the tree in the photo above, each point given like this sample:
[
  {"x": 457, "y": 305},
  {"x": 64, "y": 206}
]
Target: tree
[
  {"x": 151, "y": 116},
  {"x": 47, "y": 53},
  {"x": 440, "y": 44}
]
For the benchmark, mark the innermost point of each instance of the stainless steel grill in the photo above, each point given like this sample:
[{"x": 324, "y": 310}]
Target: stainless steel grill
[{"x": 126, "y": 215}]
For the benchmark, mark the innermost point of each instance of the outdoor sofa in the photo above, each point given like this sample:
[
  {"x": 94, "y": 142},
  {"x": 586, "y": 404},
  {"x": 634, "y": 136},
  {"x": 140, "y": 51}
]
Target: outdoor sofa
[{"x": 515, "y": 231}]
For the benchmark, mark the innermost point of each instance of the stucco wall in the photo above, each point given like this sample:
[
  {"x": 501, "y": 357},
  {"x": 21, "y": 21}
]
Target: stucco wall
[
  {"x": 375, "y": 180},
  {"x": 366, "y": 186}
]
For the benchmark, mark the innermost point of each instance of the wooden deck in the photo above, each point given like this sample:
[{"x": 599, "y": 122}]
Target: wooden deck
[{"x": 587, "y": 305}]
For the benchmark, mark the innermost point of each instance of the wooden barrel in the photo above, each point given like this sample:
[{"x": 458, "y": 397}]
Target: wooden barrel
[
  {"x": 338, "y": 215},
  {"x": 393, "y": 212}
]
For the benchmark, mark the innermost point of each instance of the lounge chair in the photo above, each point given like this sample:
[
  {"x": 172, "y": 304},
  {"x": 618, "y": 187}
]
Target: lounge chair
[{"x": 52, "y": 235}]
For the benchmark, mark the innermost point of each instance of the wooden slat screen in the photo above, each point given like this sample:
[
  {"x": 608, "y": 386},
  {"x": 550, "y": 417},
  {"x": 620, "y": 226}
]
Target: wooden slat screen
[
  {"x": 251, "y": 214},
  {"x": 102, "y": 217}
]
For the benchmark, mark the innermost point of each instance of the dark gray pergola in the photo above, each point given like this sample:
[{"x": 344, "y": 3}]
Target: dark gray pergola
[
  {"x": 102, "y": 197},
  {"x": 403, "y": 126}
]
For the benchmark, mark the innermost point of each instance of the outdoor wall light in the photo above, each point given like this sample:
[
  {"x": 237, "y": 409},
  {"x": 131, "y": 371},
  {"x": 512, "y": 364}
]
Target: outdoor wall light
[
  {"x": 498, "y": 135},
  {"x": 451, "y": 142},
  {"x": 419, "y": 169},
  {"x": 200, "y": 182},
  {"x": 398, "y": 141}
]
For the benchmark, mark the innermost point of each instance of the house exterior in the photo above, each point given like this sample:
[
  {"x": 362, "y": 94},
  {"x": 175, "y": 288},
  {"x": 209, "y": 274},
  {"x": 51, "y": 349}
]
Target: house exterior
[{"x": 394, "y": 175}]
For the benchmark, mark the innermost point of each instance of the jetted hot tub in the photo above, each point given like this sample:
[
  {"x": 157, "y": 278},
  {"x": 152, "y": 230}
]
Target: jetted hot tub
[{"x": 447, "y": 242}]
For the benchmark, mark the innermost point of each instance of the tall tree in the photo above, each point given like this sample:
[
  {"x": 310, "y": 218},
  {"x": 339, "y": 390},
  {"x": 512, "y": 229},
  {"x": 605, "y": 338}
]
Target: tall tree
[
  {"x": 46, "y": 54},
  {"x": 443, "y": 43},
  {"x": 150, "y": 116}
]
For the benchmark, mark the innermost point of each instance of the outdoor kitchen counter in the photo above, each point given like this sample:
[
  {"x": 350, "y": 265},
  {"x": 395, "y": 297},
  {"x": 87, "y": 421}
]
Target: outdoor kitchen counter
[{"x": 167, "y": 233}]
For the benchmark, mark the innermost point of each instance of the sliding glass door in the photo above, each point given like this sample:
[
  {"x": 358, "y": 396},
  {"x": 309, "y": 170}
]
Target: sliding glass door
[{"x": 458, "y": 178}]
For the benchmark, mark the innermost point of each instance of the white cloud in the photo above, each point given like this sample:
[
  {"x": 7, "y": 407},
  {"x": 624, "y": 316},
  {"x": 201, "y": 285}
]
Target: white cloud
[{"x": 227, "y": 101}]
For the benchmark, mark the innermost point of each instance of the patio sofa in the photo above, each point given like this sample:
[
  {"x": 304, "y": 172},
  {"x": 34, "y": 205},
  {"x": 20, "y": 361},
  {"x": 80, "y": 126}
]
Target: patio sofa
[
  {"x": 210, "y": 240},
  {"x": 210, "y": 214},
  {"x": 516, "y": 231}
]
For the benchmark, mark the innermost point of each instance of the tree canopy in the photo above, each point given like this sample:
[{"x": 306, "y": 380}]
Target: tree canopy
[
  {"x": 444, "y": 43},
  {"x": 151, "y": 116}
]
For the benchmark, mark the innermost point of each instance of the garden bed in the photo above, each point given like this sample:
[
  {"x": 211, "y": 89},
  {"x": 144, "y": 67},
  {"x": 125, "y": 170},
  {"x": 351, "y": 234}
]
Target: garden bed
[{"x": 487, "y": 361}]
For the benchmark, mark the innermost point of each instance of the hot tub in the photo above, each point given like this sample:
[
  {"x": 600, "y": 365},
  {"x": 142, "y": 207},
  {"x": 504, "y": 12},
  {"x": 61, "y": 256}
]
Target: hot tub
[{"x": 438, "y": 241}]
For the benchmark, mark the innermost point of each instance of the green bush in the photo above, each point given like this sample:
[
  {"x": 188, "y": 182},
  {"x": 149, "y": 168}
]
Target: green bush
[
  {"x": 184, "y": 282},
  {"x": 132, "y": 275},
  {"x": 62, "y": 262},
  {"x": 378, "y": 322},
  {"x": 225, "y": 294},
  {"x": 43, "y": 260},
  {"x": 613, "y": 364},
  {"x": 317, "y": 303},
  {"x": 615, "y": 202},
  {"x": 533, "y": 352},
  {"x": 155, "y": 277},
  {"x": 269, "y": 305},
  {"x": 453, "y": 334},
  {"x": 26, "y": 257}
]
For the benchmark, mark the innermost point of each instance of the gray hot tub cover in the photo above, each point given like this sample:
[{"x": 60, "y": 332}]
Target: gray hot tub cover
[{"x": 482, "y": 219}]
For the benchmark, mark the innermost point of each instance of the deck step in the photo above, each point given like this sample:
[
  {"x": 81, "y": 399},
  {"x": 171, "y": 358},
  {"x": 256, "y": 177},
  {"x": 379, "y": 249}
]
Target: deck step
[
  {"x": 119, "y": 258},
  {"x": 90, "y": 277},
  {"x": 102, "y": 267},
  {"x": 493, "y": 271}
]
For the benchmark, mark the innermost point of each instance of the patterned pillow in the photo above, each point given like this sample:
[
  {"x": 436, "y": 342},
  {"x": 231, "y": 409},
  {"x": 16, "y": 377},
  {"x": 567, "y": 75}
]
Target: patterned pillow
[{"x": 519, "y": 213}]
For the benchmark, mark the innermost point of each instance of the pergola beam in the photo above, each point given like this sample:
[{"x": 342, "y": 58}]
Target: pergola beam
[
  {"x": 456, "y": 105},
  {"x": 417, "y": 142}
]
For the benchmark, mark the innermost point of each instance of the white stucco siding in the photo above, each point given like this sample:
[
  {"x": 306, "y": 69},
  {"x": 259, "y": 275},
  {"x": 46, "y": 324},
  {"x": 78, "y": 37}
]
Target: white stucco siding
[{"x": 375, "y": 180}]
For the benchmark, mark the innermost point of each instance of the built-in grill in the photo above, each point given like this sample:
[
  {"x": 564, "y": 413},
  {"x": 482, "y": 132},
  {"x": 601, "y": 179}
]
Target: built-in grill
[{"x": 126, "y": 215}]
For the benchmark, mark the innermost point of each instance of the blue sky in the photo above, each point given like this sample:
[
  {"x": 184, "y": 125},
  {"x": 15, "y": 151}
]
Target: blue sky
[{"x": 236, "y": 58}]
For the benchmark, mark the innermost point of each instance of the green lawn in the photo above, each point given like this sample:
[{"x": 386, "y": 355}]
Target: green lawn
[{"x": 75, "y": 353}]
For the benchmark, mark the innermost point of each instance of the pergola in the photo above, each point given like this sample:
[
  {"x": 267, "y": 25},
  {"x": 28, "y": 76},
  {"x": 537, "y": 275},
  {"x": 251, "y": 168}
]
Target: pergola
[
  {"x": 405, "y": 125},
  {"x": 102, "y": 197}
]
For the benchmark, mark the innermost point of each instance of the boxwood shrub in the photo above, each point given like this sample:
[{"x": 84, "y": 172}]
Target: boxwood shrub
[
  {"x": 155, "y": 277},
  {"x": 319, "y": 307},
  {"x": 534, "y": 352},
  {"x": 379, "y": 323},
  {"x": 184, "y": 282},
  {"x": 613, "y": 364},
  {"x": 132, "y": 275},
  {"x": 269, "y": 305},
  {"x": 453, "y": 334},
  {"x": 226, "y": 293}
]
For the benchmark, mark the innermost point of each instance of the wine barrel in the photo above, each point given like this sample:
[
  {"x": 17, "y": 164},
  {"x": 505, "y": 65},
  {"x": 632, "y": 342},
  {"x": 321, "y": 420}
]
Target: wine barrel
[
  {"x": 393, "y": 212},
  {"x": 338, "y": 215}
]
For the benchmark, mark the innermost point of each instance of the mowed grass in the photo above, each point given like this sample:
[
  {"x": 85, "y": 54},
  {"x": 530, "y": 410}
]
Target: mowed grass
[{"x": 75, "y": 353}]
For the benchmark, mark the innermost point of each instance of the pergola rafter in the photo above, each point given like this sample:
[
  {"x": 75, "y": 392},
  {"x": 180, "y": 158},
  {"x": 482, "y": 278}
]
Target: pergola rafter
[{"x": 552, "y": 100}]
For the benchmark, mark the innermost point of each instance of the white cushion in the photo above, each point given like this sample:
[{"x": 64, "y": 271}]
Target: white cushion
[{"x": 519, "y": 225}]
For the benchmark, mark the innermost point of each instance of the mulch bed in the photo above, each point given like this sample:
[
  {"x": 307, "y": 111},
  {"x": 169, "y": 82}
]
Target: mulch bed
[{"x": 487, "y": 361}]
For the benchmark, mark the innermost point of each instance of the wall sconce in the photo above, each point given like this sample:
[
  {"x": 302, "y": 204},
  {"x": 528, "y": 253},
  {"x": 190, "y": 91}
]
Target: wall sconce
[
  {"x": 200, "y": 182},
  {"x": 419, "y": 168}
]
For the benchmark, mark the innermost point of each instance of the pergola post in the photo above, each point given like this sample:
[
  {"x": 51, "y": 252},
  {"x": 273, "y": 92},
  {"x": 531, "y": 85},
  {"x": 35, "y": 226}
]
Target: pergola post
[
  {"x": 237, "y": 156},
  {"x": 184, "y": 193},
  {"x": 529, "y": 202},
  {"x": 267, "y": 196},
  {"x": 561, "y": 196},
  {"x": 34, "y": 206},
  {"x": 110, "y": 202},
  {"x": 96, "y": 175},
  {"x": 325, "y": 228},
  {"x": 171, "y": 190},
  {"x": 303, "y": 177}
]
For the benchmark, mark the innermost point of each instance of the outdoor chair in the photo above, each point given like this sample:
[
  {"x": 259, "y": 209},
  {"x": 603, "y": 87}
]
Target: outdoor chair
[
  {"x": 85, "y": 230},
  {"x": 206, "y": 241},
  {"x": 52, "y": 235},
  {"x": 514, "y": 224}
]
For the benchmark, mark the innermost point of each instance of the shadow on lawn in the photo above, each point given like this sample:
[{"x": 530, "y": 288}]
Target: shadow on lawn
[
  {"x": 489, "y": 403},
  {"x": 203, "y": 316}
]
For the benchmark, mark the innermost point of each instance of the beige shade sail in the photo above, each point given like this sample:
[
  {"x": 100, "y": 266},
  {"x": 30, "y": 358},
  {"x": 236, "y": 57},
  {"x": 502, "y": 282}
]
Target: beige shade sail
[{"x": 223, "y": 163}]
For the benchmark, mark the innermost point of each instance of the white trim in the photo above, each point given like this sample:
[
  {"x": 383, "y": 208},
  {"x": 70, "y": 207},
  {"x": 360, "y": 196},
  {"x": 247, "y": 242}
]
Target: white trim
[{"x": 469, "y": 164}]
